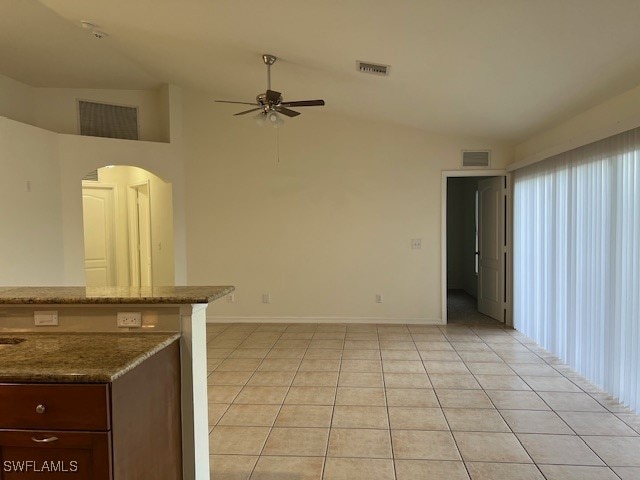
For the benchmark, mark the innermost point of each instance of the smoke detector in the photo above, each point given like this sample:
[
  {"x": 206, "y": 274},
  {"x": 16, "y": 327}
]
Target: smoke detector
[{"x": 93, "y": 28}]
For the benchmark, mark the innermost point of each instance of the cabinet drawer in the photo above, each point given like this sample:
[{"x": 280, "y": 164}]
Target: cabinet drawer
[
  {"x": 55, "y": 407},
  {"x": 39, "y": 455}
]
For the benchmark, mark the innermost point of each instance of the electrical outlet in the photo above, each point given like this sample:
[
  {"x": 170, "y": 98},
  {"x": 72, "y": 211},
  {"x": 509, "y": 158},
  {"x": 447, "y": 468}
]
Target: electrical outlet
[
  {"x": 416, "y": 243},
  {"x": 231, "y": 298},
  {"x": 129, "y": 319},
  {"x": 45, "y": 318},
  {"x": 266, "y": 298},
  {"x": 378, "y": 298}
]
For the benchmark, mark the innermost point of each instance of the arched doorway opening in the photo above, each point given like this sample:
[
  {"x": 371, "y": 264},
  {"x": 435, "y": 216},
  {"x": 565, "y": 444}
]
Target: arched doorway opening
[{"x": 128, "y": 228}]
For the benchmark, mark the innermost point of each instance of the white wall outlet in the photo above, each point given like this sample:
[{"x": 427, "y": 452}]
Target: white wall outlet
[
  {"x": 129, "y": 319},
  {"x": 378, "y": 298},
  {"x": 45, "y": 318},
  {"x": 416, "y": 243},
  {"x": 231, "y": 298},
  {"x": 266, "y": 298}
]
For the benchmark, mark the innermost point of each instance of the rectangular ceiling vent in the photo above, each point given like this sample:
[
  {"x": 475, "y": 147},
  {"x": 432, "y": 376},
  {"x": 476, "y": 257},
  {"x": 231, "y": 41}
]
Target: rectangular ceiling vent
[
  {"x": 91, "y": 176},
  {"x": 476, "y": 158},
  {"x": 106, "y": 120},
  {"x": 373, "y": 68}
]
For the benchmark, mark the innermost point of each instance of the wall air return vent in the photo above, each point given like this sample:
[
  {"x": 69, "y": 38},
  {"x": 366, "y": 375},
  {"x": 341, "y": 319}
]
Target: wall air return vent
[
  {"x": 476, "y": 158},
  {"x": 106, "y": 120},
  {"x": 91, "y": 176},
  {"x": 373, "y": 68}
]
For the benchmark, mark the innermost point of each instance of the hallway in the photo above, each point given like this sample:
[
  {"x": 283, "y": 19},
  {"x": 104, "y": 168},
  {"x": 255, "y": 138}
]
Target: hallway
[{"x": 462, "y": 308}]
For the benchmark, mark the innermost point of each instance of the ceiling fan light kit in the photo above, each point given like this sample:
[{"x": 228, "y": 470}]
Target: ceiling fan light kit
[
  {"x": 271, "y": 104},
  {"x": 272, "y": 118}
]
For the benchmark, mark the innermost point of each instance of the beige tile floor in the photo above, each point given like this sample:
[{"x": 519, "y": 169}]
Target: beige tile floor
[{"x": 406, "y": 402}]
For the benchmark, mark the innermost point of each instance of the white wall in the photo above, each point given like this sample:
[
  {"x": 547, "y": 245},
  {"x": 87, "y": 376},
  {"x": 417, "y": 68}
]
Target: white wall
[
  {"x": 55, "y": 109},
  {"x": 329, "y": 225},
  {"x": 42, "y": 236},
  {"x": 16, "y": 100},
  {"x": 162, "y": 228},
  {"x": 31, "y": 248},
  {"x": 616, "y": 115}
]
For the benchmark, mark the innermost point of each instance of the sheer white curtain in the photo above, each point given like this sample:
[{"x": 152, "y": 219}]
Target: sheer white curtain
[{"x": 577, "y": 260}]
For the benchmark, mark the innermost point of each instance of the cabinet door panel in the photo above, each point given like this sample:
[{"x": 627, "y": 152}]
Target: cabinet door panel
[
  {"x": 64, "y": 407},
  {"x": 33, "y": 455}
]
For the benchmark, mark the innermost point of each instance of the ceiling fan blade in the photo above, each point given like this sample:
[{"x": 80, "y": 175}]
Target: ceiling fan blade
[
  {"x": 247, "y": 111},
  {"x": 303, "y": 103},
  {"x": 239, "y": 103},
  {"x": 286, "y": 111},
  {"x": 273, "y": 96}
]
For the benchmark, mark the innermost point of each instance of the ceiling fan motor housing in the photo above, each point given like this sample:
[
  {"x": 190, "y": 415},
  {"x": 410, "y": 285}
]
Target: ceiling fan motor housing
[{"x": 262, "y": 100}]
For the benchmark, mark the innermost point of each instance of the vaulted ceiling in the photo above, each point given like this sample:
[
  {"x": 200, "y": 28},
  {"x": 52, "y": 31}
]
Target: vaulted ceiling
[{"x": 501, "y": 69}]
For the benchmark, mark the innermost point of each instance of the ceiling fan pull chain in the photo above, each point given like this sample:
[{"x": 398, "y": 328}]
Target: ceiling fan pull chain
[{"x": 278, "y": 143}]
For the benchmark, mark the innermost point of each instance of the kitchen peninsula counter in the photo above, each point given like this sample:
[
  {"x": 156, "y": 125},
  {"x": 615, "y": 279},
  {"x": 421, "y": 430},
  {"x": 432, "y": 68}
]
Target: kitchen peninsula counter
[
  {"x": 110, "y": 295},
  {"x": 76, "y": 357},
  {"x": 169, "y": 310}
]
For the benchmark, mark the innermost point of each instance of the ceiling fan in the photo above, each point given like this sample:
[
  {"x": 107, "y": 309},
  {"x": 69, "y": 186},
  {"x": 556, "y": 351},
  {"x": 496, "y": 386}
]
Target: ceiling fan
[{"x": 271, "y": 102}]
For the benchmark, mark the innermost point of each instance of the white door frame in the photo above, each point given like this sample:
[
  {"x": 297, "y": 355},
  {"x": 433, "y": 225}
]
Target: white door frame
[
  {"x": 446, "y": 174},
  {"x": 134, "y": 233}
]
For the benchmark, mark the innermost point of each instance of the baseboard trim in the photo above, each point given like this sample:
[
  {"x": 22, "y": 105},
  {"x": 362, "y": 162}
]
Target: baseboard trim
[{"x": 354, "y": 320}]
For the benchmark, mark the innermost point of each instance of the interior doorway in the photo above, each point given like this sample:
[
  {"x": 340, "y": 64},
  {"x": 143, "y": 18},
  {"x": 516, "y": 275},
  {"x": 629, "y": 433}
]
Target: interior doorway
[
  {"x": 474, "y": 247},
  {"x": 128, "y": 228}
]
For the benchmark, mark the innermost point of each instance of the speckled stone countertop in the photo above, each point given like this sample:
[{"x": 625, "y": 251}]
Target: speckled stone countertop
[
  {"x": 76, "y": 357},
  {"x": 111, "y": 295}
]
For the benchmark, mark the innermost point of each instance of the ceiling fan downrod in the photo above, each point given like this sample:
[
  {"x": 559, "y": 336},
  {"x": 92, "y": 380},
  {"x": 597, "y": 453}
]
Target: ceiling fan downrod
[{"x": 268, "y": 61}]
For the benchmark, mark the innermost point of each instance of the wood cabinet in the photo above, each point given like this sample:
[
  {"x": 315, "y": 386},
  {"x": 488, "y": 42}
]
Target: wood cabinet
[{"x": 124, "y": 430}]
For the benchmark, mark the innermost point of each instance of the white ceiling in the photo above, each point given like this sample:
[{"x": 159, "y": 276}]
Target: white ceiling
[{"x": 501, "y": 69}]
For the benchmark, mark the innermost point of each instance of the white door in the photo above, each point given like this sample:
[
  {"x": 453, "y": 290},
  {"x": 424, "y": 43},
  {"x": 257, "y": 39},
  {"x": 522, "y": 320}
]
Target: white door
[
  {"x": 491, "y": 212},
  {"x": 98, "y": 214}
]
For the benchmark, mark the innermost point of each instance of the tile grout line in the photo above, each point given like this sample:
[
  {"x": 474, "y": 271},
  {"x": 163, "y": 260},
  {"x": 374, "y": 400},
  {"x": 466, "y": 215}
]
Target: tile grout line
[
  {"x": 245, "y": 384},
  {"x": 455, "y": 441},
  {"x": 333, "y": 408},
  {"x": 536, "y": 392},
  {"x": 214, "y": 371},
  {"x": 386, "y": 402},
  {"x": 283, "y": 398},
  {"x": 507, "y": 423}
]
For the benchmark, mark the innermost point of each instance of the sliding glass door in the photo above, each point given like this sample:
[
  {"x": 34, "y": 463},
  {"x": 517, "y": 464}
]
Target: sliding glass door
[{"x": 577, "y": 260}]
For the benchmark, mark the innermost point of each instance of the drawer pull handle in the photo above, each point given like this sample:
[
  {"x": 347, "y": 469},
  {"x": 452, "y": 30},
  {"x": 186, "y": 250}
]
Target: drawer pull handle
[
  {"x": 40, "y": 409},
  {"x": 44, "y": 440}
]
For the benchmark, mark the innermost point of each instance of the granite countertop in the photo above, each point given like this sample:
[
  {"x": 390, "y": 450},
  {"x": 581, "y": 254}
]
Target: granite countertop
[
  {"x": 111, "y": 295},
  {"x": 76, "y": 357}
]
